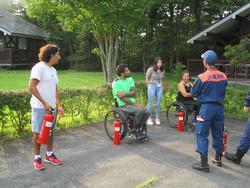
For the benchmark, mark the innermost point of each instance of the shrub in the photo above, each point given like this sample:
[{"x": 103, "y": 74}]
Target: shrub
[
  {"x": 84, "y": 105},
  {"x": 178, "y": 71},
  {"x": 15, "y": 111},
  {"x": 81, "y": 105},
  {"x": 238, "y": 54},
  {"x": 233, "y": 104}
]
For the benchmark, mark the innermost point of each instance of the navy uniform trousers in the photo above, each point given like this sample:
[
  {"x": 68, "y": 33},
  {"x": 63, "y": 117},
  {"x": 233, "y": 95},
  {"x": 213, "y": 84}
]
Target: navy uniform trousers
[
  {"x": 245, "y": 139},
  {"x": 211, "y": 116}
]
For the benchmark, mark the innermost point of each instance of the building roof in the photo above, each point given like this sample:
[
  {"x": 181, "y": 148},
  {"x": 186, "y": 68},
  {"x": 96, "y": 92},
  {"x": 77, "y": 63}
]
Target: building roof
[
  {"x": 14, "y": 25},
  {"x": 226, "y": 25}
]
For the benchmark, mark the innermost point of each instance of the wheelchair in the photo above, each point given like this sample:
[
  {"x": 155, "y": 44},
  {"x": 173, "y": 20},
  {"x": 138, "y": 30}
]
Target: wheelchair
[
  {"x": 127, "y": 123},
  {"x": 189, "y": 119}
]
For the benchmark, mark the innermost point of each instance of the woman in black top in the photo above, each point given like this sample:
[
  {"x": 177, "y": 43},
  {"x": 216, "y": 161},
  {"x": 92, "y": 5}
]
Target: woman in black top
[{"x": 184, "y": 95}]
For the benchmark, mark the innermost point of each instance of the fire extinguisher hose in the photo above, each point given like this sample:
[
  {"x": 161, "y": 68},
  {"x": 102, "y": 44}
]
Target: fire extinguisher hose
[{"x": 54, "y": 122}]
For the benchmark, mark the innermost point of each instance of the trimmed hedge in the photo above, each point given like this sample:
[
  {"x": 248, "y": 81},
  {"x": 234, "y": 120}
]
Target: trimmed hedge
[
  {"x": 86, "y": 105},
  {"x": 14, "y": 111},
  {"x": 82, "y": 105},
  {"x": 233, "y": 104}
]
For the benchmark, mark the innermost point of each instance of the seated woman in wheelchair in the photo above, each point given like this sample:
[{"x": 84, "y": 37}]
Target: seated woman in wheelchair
[
  {"x": 184, "y": 95},
  {"x": 123, "y": 89}
]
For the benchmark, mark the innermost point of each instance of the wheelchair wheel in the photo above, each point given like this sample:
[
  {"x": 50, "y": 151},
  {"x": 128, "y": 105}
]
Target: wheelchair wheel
[
  {"x": 145, "y": 132},
  {"x": 172, "y": 113},
  {"x": 191, "y": 125},
  {"x": 111, "y": 116}
]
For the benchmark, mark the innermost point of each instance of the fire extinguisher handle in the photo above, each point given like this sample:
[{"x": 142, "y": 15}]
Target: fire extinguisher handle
[{"x": 51, "y": 110}]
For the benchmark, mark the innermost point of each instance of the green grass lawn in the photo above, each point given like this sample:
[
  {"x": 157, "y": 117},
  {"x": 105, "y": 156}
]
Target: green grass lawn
[{"x": 19, "y": 79}]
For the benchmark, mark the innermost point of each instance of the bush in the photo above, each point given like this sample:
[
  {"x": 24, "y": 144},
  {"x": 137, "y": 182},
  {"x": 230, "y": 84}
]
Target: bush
[
  {"x": 81, "y": 106},
  {"x": 233, "y": 104},
  {"x": 86, "y": 104},
  {"x": 178, "y": 71},
  {"x": 238, "y": 54},
  {"x": 14, "y": 111},
  {"x": 89, "y": 105}
]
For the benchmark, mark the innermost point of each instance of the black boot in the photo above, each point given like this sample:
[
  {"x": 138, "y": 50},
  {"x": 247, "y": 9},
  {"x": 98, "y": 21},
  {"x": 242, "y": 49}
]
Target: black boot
[
  {"x": 201, "y": 166},
  {"x": 217, "y": 159},
  {"x": 236, "y": 158}
]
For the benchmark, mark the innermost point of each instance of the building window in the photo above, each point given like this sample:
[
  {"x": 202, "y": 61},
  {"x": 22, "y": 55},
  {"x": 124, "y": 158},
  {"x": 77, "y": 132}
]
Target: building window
[
  {"x": 22, "y": 43},
  {"x": 1, "y": 43}
]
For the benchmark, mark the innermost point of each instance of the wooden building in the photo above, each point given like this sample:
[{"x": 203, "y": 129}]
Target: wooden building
[
  {"x": 20, "y": 40},
  {"x": 227, "y": 31}
]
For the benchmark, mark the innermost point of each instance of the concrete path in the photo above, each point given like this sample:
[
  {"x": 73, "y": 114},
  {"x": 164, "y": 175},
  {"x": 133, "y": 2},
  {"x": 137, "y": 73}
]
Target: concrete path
[{"x": 90, "y": 160}]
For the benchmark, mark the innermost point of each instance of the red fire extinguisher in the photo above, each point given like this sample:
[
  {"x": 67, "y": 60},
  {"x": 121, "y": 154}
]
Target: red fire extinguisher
[
  {"x": 180, "y": 122},
  {"x": 224, "y": 141},
  {"x": 46, "y": 127},
  {"x": 117, "y": 132}
]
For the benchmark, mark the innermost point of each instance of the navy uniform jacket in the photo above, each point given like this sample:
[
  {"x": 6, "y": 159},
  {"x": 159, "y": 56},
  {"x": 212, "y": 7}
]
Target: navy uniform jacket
[
  {"x": 247, "y": 100},
  {"x": 210, "y": 87}
]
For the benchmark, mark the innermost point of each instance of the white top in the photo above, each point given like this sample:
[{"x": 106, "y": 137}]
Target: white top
[{"x": 48, "y": 80}]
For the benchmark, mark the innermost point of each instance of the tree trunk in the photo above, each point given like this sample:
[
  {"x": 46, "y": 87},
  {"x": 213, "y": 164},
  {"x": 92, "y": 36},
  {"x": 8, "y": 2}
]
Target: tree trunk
[
  {"x": 121, "y": 47},
  {"x": 116, "y": 55},
  {"x": 197, "y": 14},
  {"x": 109, "y": 47},
  {"x": 171, "y": 62},
  {"x": 172, "y": 42},
  {"x": 144, "y": 64},
  {"x": 101, "y": 44}
]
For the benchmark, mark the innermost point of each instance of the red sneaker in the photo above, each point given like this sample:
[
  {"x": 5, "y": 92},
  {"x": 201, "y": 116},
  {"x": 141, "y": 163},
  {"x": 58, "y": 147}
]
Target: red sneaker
[
  {"x": 52, "y": 159},
  {"x": 38, "y": 164}
]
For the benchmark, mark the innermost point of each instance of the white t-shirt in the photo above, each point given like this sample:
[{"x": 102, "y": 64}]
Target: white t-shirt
[{"x": 48, "y": 80}]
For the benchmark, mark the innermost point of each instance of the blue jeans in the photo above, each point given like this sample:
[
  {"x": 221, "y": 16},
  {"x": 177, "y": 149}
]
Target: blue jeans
[{"x": 154, "y": 91}]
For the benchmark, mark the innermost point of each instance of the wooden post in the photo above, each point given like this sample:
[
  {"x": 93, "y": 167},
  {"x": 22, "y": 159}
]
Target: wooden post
[{"x": 10, "y": 52}]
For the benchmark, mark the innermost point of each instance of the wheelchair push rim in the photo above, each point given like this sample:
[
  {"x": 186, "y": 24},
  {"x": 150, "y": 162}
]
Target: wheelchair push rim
[
  {"x": 111, "y": 116},
  {"x": 173, "y": 112}
]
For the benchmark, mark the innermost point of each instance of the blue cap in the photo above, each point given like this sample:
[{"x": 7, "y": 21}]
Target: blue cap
[{"x": 209, "y": 56}]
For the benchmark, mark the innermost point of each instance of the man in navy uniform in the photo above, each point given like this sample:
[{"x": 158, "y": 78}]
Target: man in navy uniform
[
  {"x": 210, "y": 89},
  {"x": 244, "y": 145}
]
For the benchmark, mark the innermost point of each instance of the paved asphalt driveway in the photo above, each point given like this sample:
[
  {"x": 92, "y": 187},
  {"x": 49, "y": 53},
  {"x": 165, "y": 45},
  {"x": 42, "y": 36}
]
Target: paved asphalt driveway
[{"x": 90, "y": 160}]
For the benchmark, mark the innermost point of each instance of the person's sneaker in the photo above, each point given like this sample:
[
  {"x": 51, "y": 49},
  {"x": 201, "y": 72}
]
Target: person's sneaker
[
  {"x": 149, "y": 121},
  {"x": 135, "y": 135},
  {"x": 52, "y": 159},
  {"x": 157, "y": 121},
  {"x": 144, "y": 136},
  {"x": 38, "y": 164}
]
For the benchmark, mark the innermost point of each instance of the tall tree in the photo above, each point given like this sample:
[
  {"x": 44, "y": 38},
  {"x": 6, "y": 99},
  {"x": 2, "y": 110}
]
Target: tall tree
[
  {"x": 104, "y": 18},
  {"x": 134, "y": 30}
]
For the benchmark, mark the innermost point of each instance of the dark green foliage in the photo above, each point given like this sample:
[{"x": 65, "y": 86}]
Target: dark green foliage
[
  {"x": 178, "y": 71},
  {"x": 14, "y": 110},
  {"x": 86, "y": 105},
  {"x": 238, "y": 54},
  {"x": 144, "y": 29},
  {"x": 233, "y": 104},
  {"x": 80, "y": 105}
]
